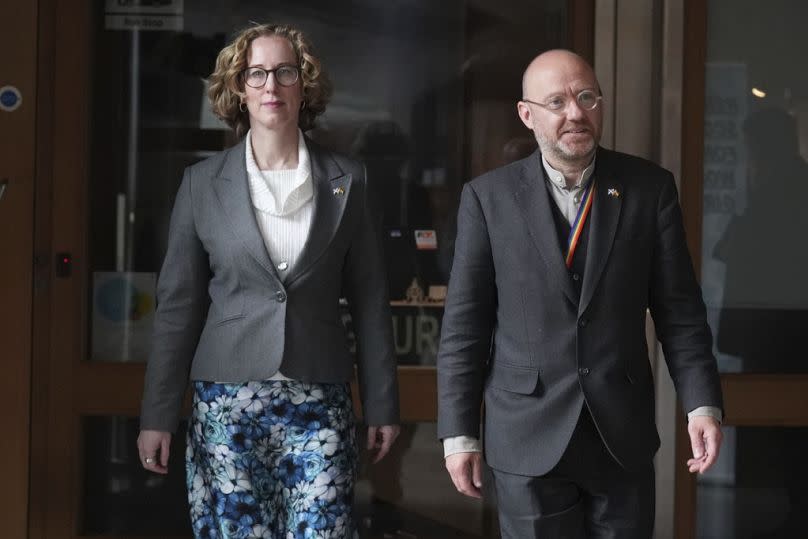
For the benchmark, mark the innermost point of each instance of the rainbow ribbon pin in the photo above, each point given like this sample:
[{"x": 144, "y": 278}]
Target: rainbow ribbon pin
[{"x": 580, "y": 221}]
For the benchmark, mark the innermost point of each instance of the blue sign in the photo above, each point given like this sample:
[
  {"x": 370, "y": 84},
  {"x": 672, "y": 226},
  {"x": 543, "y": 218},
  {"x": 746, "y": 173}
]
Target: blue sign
[{"x": 10, "y": 98}]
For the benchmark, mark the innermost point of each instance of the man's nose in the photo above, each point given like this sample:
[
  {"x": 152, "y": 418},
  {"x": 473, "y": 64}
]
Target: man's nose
[{"x": 574, "y": 110}]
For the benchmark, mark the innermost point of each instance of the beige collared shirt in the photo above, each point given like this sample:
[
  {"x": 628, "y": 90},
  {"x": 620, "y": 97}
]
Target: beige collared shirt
[{"x": 568, "y": 199}]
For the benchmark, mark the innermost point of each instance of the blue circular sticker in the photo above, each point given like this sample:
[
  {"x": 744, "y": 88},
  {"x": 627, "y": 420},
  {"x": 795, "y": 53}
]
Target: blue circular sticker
[{"x": 10, "y": 98}]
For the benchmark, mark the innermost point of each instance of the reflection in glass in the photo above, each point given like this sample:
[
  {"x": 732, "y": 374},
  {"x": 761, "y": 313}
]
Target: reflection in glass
[
  {"x": 756, "y": 490},
  {"x": 754, "y": 259},
  {"x": 409, "y": 494},
  {"x": 120, "y": 497},
  {"x": 765, "y": 300},
  {"x": 425, "y": 94}
]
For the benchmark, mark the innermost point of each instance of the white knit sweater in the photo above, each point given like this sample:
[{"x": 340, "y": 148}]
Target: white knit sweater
[{"x": 282, "y": 201}]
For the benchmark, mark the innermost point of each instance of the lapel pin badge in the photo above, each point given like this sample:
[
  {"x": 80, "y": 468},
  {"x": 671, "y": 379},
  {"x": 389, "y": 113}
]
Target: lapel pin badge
[
  {"x": 338, "y": 191},
  {"x": 613, "y": 192}
]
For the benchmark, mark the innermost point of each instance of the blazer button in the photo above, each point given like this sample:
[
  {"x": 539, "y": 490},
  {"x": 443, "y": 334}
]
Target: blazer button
[
  {"x": 583, "y": 371},
  {"x": 583, "y": 322},
  {"x": 280, "y": 296}
]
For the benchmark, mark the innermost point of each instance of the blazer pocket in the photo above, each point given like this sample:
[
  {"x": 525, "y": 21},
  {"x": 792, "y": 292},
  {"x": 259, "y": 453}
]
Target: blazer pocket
[
  {"x": 513, "y": 378},
  {"x": 226, "y": 308},
  {"x": 227, "y": 319},
  {"x": 232, "y": 311}
]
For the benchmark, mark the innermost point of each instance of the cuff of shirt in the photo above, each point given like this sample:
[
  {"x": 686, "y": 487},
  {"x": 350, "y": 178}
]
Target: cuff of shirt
[
  {"x": 711, "y": 411},
  {"x": 461, "y": 444}
]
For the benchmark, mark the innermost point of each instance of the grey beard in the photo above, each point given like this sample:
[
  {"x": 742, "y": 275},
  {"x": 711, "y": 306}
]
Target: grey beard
[{"x": 557, "y": 150}]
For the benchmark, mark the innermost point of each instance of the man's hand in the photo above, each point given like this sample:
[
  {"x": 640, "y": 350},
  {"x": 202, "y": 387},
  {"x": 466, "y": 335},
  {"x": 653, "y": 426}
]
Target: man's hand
[
  {"x": 381, "y": 439},
  {"x": 466, "y": 472},
  {"x": 705, "y": 439},
  {"x": 153, "y": 447}
]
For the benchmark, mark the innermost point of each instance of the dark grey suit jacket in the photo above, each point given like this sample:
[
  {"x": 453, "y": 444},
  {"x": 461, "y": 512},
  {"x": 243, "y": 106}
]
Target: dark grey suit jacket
[
  {"x": 225, "y": 315},
  {"x": 516, "y": 334}
]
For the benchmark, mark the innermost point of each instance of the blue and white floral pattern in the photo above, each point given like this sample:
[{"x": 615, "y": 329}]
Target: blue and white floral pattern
[{"x": 271, "y": 460}]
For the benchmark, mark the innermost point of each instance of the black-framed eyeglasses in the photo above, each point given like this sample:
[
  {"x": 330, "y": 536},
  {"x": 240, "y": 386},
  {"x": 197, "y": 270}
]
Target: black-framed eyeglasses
[
  {"x": 587, "y": 100},
  {"x": 285, "y": 75}
]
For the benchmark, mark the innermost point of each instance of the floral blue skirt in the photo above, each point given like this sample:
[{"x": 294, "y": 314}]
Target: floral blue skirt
[{"x": 274, "y": 459}]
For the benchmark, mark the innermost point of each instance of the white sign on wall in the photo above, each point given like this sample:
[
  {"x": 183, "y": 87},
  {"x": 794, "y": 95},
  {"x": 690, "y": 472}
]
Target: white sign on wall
[
  {"x": 150, "y": 7},
  {"x": 143, "y": 15}
]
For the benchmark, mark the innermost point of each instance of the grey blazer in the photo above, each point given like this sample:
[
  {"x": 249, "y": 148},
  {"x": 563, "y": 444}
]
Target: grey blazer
[
  {"x": 517, "y": 335},
  {"x": 225, "y": 315}
]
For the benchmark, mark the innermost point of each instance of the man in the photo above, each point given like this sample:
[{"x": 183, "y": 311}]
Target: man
[{"x": 557, "y": 260}]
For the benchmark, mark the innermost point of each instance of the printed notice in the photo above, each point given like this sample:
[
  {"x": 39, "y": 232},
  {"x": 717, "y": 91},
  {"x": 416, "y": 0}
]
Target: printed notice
[
  {"x": 426, "y": 240},
  {"x": 148, "y": 15}
]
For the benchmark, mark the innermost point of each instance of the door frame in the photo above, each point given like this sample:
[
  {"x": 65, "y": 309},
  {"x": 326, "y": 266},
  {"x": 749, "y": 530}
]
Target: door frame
[{"x": 750, "y": 400}]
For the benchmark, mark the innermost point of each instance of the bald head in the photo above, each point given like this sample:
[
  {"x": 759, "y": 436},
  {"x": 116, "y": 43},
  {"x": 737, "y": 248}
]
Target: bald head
[{"x": 553, "y": 62}]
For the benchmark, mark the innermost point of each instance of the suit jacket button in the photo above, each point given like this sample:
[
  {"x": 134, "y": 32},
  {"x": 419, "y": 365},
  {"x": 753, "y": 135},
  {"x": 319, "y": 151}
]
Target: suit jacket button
[
  {"x": 584, "y": 371},
  {"x": 281, "y": 297},
  {"x": 583, "y": 322}
]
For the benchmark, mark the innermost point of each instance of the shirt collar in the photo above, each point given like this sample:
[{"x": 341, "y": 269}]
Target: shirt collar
[
  {"x": 557, "y": 178},
  {"x": 286, "y": 200},
  {"x": 303, "y": 160}
]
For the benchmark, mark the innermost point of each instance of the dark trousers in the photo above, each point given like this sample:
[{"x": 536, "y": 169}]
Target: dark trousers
[{"x": 586, "y": 495}]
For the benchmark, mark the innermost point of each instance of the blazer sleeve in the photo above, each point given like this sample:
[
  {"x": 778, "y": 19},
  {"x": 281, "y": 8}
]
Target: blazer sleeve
[
  {"x": 365, "y": 286},
  {"x": 182, "y": 303},
  {"x": 678, "y": 310},
  {"x": 468, "y": 323}
]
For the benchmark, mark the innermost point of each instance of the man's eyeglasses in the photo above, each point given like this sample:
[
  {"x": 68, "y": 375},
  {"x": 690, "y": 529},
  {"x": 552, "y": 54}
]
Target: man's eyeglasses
[
  {"x": 587, "y": 100},
  {"x": 285, "y": 75}
]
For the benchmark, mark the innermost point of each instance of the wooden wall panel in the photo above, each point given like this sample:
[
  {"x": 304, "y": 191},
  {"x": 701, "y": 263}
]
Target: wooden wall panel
[{"x": 18, "y": 33}]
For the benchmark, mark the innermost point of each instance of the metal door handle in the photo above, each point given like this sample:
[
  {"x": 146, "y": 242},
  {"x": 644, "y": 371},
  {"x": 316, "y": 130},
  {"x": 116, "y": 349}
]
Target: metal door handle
[{"x": 3, "y": 185}]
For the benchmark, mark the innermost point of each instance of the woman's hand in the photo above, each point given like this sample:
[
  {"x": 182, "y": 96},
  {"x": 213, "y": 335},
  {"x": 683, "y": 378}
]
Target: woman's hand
[
  {"x": 153, "y": 448},
  {"x": 381, "y": 438}
]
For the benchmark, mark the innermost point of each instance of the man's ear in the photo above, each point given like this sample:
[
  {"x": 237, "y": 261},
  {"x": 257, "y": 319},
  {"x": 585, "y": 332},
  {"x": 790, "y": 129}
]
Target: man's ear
[{"x": 525, "y": 114}]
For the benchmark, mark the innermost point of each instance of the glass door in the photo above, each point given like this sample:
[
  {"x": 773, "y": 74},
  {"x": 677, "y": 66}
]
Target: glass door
[
  {"x": 425, "y": 95},
  {"x": 746, "y": 159}
]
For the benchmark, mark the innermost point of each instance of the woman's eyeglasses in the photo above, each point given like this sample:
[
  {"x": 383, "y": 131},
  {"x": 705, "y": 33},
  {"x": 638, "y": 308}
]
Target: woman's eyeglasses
[{"x": 285, "y": 75}]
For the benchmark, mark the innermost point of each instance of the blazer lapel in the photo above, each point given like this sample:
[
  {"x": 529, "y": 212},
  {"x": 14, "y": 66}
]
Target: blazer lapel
[
  {"x": 534, "y": 202},
  {"x": 231, "y": 186},
  {"x": 331, "y": 188},
  {"x": 602, "y": 227}
]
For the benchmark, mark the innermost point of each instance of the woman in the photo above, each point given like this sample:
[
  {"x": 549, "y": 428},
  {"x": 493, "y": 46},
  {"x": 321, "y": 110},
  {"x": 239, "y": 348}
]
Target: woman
[{"x": 264, "y": 239}]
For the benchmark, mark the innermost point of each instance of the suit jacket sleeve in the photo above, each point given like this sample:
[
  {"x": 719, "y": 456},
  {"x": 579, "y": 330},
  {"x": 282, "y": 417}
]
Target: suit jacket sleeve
[
  {"x": 182, "y": 303},
  {"x": 365, "y": 285},
  {"x": 468, "y": 323},
  {"x": 678, "y": 309}
]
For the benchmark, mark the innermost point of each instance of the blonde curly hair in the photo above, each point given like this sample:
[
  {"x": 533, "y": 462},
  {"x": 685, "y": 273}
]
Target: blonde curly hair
[{"x": 226, "y": 84}]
